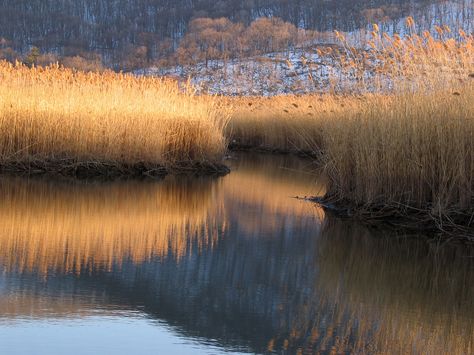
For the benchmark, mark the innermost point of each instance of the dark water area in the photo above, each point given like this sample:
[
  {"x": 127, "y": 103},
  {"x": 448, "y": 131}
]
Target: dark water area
[{"x": 216, "y": 265}]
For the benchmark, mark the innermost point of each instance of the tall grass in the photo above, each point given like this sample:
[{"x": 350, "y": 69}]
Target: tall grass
[
  {"x": 396, "y": 135},
  {"x": 283, "y": 123},
  {"x": 58, "y": 119},
  {"x": 411, "y": 152},
  {"x": 394, "y": 63}
]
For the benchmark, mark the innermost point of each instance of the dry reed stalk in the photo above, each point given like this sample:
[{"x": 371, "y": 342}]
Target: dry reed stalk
[
  {"x": 407, "y": 155},
  {"x": 409, "y": 150},
  {"x": 283, "y": 123},
  {"x": 392, "y": 63},
  {"x": 57, "y": 119}
]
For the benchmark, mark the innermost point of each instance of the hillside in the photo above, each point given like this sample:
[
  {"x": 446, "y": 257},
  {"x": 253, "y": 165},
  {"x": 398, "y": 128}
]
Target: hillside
[
  {"x": 117, "y": 32},
  {"x": 302, "y": 69}
]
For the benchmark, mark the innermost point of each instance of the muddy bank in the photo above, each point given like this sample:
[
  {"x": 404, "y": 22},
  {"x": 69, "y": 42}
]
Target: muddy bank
[
  {"x": 108, "y": 170},
  {"x": 458, "y": 226}
]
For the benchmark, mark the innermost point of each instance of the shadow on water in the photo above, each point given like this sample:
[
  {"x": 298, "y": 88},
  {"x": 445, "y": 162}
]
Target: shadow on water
[{"x": 234, "y": 261}]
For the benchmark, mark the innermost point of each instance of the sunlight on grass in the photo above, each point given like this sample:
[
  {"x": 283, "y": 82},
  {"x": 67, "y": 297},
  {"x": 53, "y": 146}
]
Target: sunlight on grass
[
  {"x": 55, "y": 119},
  {"x": 398, "y": 141}
]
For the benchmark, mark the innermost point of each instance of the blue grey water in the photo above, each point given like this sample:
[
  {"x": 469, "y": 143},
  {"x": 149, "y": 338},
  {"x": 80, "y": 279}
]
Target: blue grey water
[{"x": 236, "y": 264}]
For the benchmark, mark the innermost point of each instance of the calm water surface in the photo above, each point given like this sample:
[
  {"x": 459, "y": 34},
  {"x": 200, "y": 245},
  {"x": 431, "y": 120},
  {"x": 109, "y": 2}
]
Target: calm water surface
[{"x": 215, "y": 265}]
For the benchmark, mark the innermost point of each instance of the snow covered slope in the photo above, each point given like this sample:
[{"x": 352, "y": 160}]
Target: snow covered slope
[{"x": 303, "y": 71}]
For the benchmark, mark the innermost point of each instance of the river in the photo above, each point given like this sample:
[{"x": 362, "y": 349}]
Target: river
[{"x": 203, "y": 265}]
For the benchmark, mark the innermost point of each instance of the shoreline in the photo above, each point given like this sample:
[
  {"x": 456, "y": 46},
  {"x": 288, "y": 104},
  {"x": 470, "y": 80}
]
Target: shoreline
[
  {"x": 80, "y": 170},
  {"x": 401, "y": 219},
  {"x": 75, "y": 169}
]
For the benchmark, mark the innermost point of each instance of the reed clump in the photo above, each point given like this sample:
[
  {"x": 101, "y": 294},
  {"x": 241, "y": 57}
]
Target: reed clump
[
  {"x": 391, "y": 63},
  {"x": 284, "y": 123},
  {"x": 410, "y": 152},
  {"x": 395, "y": 133},
  {"x": 65, "y": 121},
  {"x": 408, "y": 155}
]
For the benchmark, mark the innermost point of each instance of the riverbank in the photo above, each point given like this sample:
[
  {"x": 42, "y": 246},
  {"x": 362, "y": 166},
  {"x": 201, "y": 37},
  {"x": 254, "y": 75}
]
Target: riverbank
[
  {"x": 395, "y": 136},
  {"x": 403, "y": 158},
  {"x": 398, "y": 145}
]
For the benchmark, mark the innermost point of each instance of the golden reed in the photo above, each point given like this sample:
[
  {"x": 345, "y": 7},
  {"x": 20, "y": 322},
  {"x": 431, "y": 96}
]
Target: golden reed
[
  {"x": 397, "y": 140},
  {"x": 411, "y": 152},
  {"x": 59, "y": 119}
]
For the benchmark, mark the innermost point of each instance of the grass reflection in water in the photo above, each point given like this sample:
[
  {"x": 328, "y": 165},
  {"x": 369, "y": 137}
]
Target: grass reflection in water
[{"x": 233, "y": 259}]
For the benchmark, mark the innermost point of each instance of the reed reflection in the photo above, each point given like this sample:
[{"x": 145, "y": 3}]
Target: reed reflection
[
  {"x": 395, "y": 293},
  {"x": 233, "y": 259},
  {"x": 63, "y": 227},
  {"x": 66, "y": 227}
]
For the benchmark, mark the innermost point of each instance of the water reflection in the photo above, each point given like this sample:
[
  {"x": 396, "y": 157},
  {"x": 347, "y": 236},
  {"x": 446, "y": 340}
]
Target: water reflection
[
  {"x": 63, "y": 227},
  {"x": 232, "y": 263}
]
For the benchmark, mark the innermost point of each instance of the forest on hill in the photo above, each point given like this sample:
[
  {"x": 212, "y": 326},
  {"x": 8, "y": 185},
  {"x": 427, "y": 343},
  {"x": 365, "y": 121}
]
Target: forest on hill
[{"x": 126, "y": 34}]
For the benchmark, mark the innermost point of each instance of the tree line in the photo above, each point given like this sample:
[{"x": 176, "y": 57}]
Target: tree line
[
  {"x": 123, "y": 33},
  {"x": 221, "y": 39}
]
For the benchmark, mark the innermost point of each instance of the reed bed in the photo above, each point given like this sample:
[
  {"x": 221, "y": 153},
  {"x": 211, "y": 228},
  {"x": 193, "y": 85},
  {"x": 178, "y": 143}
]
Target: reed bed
[
  {"x": 283, "y": 123},
  {"x": 415, "y": 62},
  {"x": 412, "y": 156},
  {"x": 395, "y": 135},
  {"x": 410, "y": 152},
  {"x": 61, "y": 120}
]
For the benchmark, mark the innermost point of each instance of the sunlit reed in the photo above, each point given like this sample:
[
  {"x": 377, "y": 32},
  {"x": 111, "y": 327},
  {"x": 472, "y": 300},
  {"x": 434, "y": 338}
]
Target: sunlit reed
[
  {"x": 411, "y": 152},
  {"x": 397, "y": 139},
  {"x": 57, "y": 119}
]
